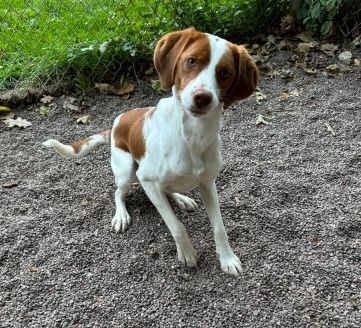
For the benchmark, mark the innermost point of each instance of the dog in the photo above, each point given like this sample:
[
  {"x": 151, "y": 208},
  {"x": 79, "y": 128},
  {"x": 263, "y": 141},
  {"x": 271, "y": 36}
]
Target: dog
[{"x": 175, "y": 147}]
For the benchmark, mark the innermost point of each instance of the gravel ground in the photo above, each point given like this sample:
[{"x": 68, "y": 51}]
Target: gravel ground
[{"x": 290, "y": 196}]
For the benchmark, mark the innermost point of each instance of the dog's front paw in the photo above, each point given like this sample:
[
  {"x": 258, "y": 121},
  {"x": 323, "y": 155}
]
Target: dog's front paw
[
  {"x": 230, "y": 263},
  {"x": 184, "y": 202},
  {"x": 121, "y": 221},
  {"x": 186, "y": 253}
]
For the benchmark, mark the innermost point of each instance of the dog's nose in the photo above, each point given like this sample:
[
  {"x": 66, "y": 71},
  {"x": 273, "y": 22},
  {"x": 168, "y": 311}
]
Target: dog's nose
[{"x": 202, "y": 98}]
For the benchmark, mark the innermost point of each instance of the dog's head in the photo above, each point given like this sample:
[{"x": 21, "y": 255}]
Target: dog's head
[{"x": 207, "y": 71}]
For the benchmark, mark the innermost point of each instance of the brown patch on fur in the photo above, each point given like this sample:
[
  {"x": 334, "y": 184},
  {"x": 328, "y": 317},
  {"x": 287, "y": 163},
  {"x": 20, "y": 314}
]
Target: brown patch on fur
[
  {"x": 245, "y": 74},
  {"x": 128, "y": 134},
  {"x": 171, "y": 57},
  {"x": 78, "y": 145}
]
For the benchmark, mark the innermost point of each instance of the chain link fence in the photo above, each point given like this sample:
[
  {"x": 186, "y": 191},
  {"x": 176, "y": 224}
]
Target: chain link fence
[{"x": 78, "y": 42}]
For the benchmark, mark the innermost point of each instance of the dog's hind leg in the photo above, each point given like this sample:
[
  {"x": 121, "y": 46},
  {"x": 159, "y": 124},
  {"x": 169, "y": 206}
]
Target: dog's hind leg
[
  {"x": 183, "y": 202},
  {"x": 123, "y": 167}
]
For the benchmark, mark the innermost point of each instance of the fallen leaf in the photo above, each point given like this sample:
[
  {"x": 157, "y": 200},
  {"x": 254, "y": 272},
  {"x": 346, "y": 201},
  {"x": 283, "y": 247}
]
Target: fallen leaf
[
  {"x": 261, "y": 120},
  {"x": 126, "y": 87},
  {"x": 329, "y": 128},
  {"x": 294, "y": 93},
  {"x": 70, "y": 106},
  {"x": 47, "y": 99},
  {"x": 123, "y": 88},
  {"x": 332, "y": 68},
  {"x": 149, "y": 71},
  {"x": 356, "y": 62},
  {"x": 306, "y": 46},
  {"x": 286, "y": 74},
  {"x": 311, "y": 71},
  {"x": 33, "y": 269},
  {"x": 44, "y": 110},
  {"x": 260, "y": 96},
  {"x": 329, "y": 49},
  {"x": 305, "y": 37},
  {"x": 10, "y": 184},
  {"x": 86, "y": 119},
  {"x": 156, "y": 85},
  {"x": 271, "y": 39},
  {"x": 20, "y": 122},
  {"x": 345, "y": 57},
  {"x": 4, "y": 109},
  {"x": 281, "y": 45},
  {"x": 125, "y": 96},
  {"x": 105, "y": 88},
  {"x": 284, "y": 95}
]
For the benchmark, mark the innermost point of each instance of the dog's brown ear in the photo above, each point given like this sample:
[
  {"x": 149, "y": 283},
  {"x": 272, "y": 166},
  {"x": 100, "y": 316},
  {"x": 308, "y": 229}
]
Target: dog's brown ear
[
  {"x": 166, "y": 55},
  {"x": 246, "y": 79}
]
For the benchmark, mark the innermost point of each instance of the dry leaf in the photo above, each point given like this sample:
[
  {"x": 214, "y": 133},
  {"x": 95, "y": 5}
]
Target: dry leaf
[
  {"x": 125, "y": 96},
  {"x": 356, "y": 62},
  {"x": 86, "y": 119},
  {"x": 126, "y": 87},
  {"x": 47, "y": 99},
  {"x": 294, "y": 93},
  {"x": 123, "y": 88},
  {"x": 284, "y": 95},
  {"x": 105, "y": 88},
  {"x": 307, "y": 46},
  {"x": 33, "y": 269},
  {"x": 20, "y": 122},
  {"x": 10, "y": 184},
  {"x": 149, "y": 71},
  {"x": 345, "y": 57},
  {"x": 271, "y": 39},
  {"x": 329, "y": 49},
  {"x": 329, "y": 128},
  {"x": 68, "y": 105},
  {"x": 261, "y": 120},
  {"x": 332, "y": 68},
  {"x": 281, "y": 45},
  {"x": 260, "y": 96},
  {"x": 305, "y": 37},
  {"x": 311, "y": 71}
]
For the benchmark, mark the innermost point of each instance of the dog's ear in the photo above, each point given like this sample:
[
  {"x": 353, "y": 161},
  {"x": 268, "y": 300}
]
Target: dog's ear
[
  {"x": 246, "y": 79},
  {"x": 166, "y": 55}
]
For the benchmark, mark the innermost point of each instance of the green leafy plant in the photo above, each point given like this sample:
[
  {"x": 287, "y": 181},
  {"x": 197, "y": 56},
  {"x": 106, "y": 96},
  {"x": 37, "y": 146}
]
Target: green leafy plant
[{"x": 319, "y": 15}]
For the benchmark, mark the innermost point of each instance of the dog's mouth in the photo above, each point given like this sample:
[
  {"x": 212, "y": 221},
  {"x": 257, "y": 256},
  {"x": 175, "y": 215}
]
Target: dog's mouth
[{"x": 198, "y": 112}]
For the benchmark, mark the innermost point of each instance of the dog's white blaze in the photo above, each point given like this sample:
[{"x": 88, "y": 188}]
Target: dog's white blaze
[{"x": 207, "y": 78}]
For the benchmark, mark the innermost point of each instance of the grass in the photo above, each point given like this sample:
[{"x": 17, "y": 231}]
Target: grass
[{"x": 43, "y": 41}]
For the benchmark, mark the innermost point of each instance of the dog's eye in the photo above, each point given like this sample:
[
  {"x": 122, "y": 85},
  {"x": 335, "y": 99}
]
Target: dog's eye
[
  {"x": 192, "y": 61},
  {"x": 225, "y": 73}
]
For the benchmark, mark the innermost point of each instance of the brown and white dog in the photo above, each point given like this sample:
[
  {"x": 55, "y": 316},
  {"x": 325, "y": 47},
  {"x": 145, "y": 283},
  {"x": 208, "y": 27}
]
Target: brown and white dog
[{"x": 175, "y": 147}]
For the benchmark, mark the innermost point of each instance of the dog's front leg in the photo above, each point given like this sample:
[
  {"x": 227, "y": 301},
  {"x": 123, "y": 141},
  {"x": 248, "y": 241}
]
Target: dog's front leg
[
  {"x": 185, "y": 250},
  {"x": 230, "y": 263}
]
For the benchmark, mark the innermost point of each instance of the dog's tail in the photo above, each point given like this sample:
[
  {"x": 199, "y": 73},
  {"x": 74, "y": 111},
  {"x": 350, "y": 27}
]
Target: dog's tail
[{"x": 80, "y": 148}]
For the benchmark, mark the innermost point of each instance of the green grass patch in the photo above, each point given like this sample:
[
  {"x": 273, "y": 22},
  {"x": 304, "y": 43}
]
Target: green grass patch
[{"x": 43, "y": 41}]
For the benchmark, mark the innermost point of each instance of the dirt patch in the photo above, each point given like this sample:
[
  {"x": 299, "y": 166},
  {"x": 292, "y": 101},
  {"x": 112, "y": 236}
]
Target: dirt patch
[{"x": 290, "y": 196}]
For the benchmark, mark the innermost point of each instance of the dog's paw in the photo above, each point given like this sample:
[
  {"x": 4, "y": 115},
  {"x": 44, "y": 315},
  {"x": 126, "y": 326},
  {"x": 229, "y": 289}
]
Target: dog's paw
[
  {"x": 230, "y": 263},
  {"x": 186, "y": 254},
  {"x": 121, "y": 221},
  {"x": 184, "y": 202}
]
